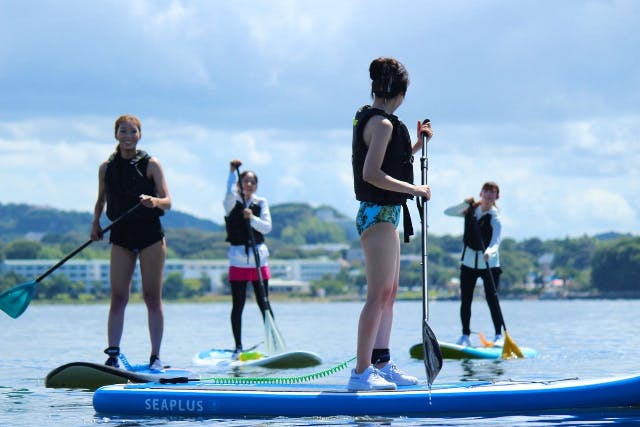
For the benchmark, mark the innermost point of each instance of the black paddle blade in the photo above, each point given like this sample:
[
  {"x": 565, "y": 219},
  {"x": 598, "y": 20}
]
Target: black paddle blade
[
  {"x": 15, "y": 301},
  {"x": 431, "y": 353}
]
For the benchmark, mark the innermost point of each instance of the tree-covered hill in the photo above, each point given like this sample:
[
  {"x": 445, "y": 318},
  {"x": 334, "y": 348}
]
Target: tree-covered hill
[
  {"x": 20, "y": 220},
  {"x": 608, "y": 262},
  {"x": 28, "y": 231},
  {"x": 294, "y": 222}
]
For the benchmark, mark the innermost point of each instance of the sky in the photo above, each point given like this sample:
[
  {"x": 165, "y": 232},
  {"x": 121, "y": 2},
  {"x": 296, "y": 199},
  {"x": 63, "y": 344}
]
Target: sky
[{"x": 540, "y": 96}]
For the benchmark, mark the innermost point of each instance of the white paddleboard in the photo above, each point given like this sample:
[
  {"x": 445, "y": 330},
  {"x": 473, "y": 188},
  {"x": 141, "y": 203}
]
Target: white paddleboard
[{"x": 223, "y": 359}]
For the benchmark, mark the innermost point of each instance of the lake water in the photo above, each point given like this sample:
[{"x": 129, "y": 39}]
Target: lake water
[{"x": 576, "y": 338}]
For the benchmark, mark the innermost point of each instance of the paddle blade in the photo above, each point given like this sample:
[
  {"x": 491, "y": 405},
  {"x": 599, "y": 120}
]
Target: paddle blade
[
  {"x": 510, "y": 349},
  {"x": 15, "y": 301},
  {"x": 274, "y": 342},
  {"x": 432, "y": 356},
  {"x": 484, "y": 341}
]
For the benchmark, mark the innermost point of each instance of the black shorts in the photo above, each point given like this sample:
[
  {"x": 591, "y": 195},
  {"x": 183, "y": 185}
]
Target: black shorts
[{"x": 137, "y": 234}]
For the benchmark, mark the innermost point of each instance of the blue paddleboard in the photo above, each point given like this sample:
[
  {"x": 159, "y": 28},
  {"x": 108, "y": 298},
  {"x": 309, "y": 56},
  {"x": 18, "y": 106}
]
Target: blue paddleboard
[
  {"x": 208, "y": 399},
  {"x": 455, "y": 351}
]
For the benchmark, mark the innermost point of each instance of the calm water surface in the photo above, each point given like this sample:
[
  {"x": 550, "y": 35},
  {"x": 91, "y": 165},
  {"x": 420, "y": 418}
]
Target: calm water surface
[{"x": 586, "y": 339}]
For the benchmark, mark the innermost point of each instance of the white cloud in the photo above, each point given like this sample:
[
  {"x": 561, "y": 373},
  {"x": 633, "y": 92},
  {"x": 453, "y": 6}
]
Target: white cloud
[{"x": 544, "y": 104}]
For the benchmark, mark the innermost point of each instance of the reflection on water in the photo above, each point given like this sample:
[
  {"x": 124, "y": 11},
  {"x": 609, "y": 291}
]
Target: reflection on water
[
  {"x": 17, "y": 396},
  {"x": 481, "y": 370}
]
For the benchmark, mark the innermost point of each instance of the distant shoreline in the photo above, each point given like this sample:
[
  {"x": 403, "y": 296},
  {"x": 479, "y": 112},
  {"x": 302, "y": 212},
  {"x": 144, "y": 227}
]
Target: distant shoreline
[{"x": 226, "y": 299}]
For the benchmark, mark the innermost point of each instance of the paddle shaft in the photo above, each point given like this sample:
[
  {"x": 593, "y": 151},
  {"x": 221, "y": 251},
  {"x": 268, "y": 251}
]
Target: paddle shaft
[
  {"x": 424, "y": 167},
  {"x": 432, "y": 356},
  {"x": 85, "y": 244},
  {"x": 252, "y": 241}
]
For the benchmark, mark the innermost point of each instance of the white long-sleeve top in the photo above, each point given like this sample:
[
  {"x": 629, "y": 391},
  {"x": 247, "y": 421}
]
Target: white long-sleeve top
[
  {"x": 238, "y": 256},
  {"x": 474, "y": 259}
]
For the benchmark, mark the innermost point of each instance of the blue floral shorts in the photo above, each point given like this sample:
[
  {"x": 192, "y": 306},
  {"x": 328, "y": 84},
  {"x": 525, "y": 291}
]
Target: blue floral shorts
[{"x": 371, "y": 214}]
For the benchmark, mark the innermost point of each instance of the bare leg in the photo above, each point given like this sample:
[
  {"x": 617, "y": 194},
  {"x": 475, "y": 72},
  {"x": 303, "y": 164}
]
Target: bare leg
[
  {"x": 151, "y": 266},
  {"x": 123, "y": 261},
  {"x": 384, "y": 330},
  {"x": 381, "y": 250}
]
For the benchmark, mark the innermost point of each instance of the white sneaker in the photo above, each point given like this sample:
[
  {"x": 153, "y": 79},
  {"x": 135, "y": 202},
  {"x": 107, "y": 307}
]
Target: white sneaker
[
  {"x": 464, "y": 341},
  {"x": 498, "y": 341},
  {"x": 370, "y": 379},
  {"x": 156, "y": 364},
  {"x": 393, "y": 374},
  {"x": 236, "y": 353}
]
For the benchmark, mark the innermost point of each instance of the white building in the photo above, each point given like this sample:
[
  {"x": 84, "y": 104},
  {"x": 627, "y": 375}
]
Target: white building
[{"x": 286, "y": 274}]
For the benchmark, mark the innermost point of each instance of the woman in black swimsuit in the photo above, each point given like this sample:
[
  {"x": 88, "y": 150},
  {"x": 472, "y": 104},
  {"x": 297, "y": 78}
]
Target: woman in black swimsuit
[{"x": 130, "y": 176}]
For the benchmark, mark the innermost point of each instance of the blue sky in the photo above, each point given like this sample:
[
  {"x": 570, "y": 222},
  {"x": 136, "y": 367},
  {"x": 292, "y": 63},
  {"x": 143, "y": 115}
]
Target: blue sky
[{"x": 541, "y": 96}]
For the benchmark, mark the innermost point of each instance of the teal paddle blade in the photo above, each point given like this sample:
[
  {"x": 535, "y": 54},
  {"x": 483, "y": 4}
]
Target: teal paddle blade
[{"x": 15, "y": 301}]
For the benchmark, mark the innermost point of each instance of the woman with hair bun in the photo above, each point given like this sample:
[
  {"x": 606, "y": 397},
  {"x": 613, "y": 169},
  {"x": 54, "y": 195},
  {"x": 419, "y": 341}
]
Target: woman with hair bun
[{"x": 382, "y": 160}]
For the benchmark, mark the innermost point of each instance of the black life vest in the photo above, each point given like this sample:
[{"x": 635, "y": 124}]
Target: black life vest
[
  {"x": 125, "y": 181},
  {"x": 470, "y": 238},
  {"x": 236, "y": 225},
  {"x": 398, "y": 159}
]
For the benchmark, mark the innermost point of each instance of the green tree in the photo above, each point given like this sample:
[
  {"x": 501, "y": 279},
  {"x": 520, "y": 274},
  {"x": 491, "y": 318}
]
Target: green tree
[
  {"x": 188, "y": 243},
  {"x": 206, "y": 283},
  {"x": 534, "y": 247},
  {"x": 573, "y": 253},
  {"x": 192, "y": 288},
  {"x": 57, "y": 285},
  {"x": 10, "y": 279},
  {"x": 22, "y": 249},
  {"x": 516, "y": 265},
  {"x": 449, "y": 244},
  {"x": 331, "y": 286},
  {"x": 316, "y": 231},
  {"x": 289, "y": 214},
  {"x": 173, "y": 285},
  {"x": 616, "y": 266},
  {"x": 50, "y": 252},
  {"x": 291, "y": 236}
]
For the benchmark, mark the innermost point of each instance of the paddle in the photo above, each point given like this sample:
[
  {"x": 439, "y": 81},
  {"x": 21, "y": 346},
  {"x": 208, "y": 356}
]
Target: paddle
[
  {"x": 15, "y": 301},
  {"x": 432, "y": 356},
  {"x": 274, "y": 342},
  {"x": 510, "y": 349}
]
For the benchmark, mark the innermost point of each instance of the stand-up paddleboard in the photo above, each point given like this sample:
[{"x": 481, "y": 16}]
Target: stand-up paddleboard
[
  {"x": 455, "y": 351},
  {"x": 202, "y": 399},
  {"x": 223, "y": 359},
  {"x": 90, "y": 376}
]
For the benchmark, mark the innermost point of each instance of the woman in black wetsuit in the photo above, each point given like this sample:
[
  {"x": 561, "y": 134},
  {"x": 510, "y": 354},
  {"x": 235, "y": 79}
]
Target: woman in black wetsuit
[{"x": 481, "y": 217}]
